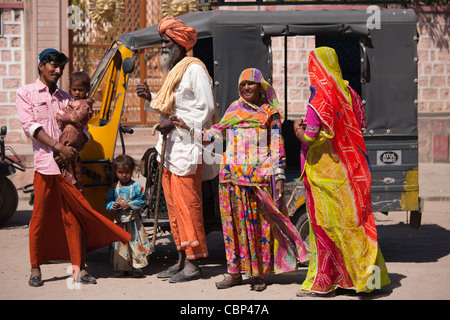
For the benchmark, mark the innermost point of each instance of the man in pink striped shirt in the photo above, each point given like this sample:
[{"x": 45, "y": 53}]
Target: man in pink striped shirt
[
  {"x": 37, "y": 105},
  {"x": 61, "y": 226}
]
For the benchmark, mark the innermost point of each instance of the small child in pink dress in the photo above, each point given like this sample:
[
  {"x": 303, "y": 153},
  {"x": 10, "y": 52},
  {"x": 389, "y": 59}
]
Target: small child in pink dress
[{"x": 71, "y": 121}]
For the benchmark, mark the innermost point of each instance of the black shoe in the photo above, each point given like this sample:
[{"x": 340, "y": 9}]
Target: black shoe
[
  {"x": 182, "y": 277},
  {"x": 35, "y": 281},
  {"x": 88, "y": 279},
  {"x": 168, "y": 273}
]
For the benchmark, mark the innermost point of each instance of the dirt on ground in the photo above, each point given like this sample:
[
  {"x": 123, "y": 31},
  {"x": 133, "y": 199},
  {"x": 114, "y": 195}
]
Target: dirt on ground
[{"x": 418, "y": 262}]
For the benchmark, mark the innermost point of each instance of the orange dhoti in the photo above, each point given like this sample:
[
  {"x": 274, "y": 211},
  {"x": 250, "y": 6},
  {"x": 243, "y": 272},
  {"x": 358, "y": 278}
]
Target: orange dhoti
[
  {"x": 60, "y": 211},
  {"x": 185, "y": 207}
]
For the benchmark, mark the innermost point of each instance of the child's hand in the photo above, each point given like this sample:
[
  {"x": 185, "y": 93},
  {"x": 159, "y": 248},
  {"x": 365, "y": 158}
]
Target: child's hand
[
  {"x": 116, "y": 206},
  {"x": 125, "y": 206}
]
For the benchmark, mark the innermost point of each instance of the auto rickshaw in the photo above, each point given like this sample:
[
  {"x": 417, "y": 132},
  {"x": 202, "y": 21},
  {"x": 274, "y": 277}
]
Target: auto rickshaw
[{"x": 381, "y": 66}]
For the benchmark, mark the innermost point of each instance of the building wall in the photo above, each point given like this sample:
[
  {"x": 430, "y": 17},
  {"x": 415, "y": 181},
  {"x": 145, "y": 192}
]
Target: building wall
[
  {"x": 434, "y": 83},
  {"x": 11, "y": 70},
  {"x": 29, "y": 27},
  {"x": 434, "y": 60},
  {"x": 297, "y": 67}
]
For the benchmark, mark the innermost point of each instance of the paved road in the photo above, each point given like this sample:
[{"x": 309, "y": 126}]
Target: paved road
[{"x": 418, "y": 262}]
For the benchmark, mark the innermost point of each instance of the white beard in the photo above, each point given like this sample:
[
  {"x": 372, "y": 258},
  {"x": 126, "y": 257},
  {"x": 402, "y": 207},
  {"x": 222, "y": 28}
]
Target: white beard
[{"x": 168, "y": 57}]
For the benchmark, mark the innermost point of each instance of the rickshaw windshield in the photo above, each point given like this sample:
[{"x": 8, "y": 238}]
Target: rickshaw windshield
[
  {"x": 105, "y": 83},
  {"x": 102, "y": 67}
]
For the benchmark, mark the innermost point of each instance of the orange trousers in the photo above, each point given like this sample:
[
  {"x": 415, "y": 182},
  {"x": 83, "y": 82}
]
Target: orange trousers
[
  {"x": 60, "y": 211},
  {"x": 184, "y": 202}
]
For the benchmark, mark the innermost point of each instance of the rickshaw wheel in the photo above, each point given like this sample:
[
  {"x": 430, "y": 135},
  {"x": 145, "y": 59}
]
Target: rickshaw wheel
[
  {"x": 150, "y": 171},
  {"x": 301, "y": 222},
  {"x": 9, "y": 200}
]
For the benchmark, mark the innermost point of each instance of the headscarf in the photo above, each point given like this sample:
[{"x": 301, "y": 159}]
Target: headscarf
[
  {"x": 332, "y": 94},
  {"x": 255, "y": 75},
  {"x": 333, "y": 104},
  {"x": 178, "y": 31},
  {"x": 242, "y": 110}
]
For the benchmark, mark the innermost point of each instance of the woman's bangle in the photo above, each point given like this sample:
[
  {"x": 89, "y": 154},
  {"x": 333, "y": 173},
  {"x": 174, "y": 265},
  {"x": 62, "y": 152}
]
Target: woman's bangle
[
  {"x": 280, "y": 177},
  {"x": 296, "y": 129},
  {"x": 53, "y": 146}
]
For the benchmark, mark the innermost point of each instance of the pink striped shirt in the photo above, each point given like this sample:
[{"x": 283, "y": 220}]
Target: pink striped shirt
[{"x": 37, "y": 108}]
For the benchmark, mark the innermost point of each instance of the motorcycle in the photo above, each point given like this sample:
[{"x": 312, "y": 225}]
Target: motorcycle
[{"x": 9, "y": 197}]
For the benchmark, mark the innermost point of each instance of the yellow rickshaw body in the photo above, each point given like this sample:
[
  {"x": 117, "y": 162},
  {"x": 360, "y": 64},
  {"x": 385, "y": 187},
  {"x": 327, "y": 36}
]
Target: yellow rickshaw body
[{"x": 98, "y": 153}]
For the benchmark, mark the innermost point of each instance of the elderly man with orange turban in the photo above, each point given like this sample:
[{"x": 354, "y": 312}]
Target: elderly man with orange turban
[{"x": 186, "y": 93}]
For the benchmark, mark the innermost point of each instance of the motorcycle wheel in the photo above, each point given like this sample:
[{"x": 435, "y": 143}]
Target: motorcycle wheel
[{"x": 9, "y": 199}]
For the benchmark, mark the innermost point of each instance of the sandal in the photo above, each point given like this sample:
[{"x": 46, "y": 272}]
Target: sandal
[
  {"x": 168, "y": 273},
  {"x": 138, "y": 273},
  {"x": 259, "y": 284},
  {"x": 120, "y": 274},
  {"x": 229, "y": 281},
  {"x": 304, "y": 293}
]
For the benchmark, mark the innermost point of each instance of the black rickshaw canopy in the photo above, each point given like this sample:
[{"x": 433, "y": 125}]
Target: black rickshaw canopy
[{"x": 231, "y": 41}]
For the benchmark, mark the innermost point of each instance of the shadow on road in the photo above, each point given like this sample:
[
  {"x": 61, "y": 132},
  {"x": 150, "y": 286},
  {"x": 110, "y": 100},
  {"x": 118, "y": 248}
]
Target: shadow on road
[
  {"x": 398, "y": 243},
  {"x": 401, "y": 243},
  {"x": 20, "y": 219}
]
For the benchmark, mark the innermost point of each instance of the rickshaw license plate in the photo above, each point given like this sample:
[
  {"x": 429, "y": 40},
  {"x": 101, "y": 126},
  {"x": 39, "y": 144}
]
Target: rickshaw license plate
[{"x": 389, "y": 157}]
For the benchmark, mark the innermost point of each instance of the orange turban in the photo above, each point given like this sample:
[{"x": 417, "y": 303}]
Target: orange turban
[{"x": 178, "y": 31}]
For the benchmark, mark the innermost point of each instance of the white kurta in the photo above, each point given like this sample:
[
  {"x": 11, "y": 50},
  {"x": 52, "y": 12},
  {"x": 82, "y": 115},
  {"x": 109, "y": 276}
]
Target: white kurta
[{"x": 194, "y": 103}]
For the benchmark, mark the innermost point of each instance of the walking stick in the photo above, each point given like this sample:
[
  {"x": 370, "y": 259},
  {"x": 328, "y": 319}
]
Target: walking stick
[{"x": 158, "y": 186}]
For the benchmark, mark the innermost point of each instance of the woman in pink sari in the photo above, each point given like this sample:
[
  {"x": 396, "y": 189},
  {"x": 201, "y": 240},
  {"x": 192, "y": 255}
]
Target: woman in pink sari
[{"x": 337, "y": 177}]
